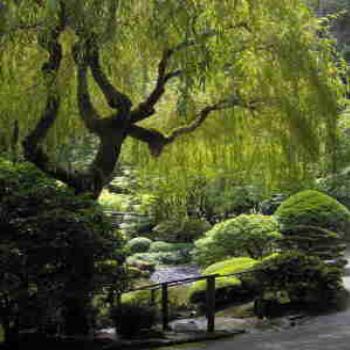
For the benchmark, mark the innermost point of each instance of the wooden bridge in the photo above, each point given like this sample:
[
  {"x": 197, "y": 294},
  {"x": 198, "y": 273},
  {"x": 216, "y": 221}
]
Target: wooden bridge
[{"x": 164, "y": 287}]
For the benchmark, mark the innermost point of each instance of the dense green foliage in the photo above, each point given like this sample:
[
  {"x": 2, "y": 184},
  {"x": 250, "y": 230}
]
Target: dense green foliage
[
  {"x": 313, "y": 208},
  {"x": 227, "y": 288},
  {"x": 180, "y": 230},
  {"x": 132, "y": 319},
  {"x": 159, "y": 246},
  {"x": 138, "y": 245},
  {"x": 266, "y": 59},
  {"x": 246, "y": 235},
  {"x": 57, "y": 250},
  {"x": 294, "y": 278}
]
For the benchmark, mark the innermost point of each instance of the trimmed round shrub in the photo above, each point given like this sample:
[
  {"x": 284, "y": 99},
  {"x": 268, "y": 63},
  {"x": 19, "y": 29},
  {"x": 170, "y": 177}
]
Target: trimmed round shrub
[
  {"x": 246, "y": 235},
  {"x": 228, "y": 289},
  {"x": 138, "y": 245},
  {"x": 298, "y": 280},
  {"x": 314, "y": 208},
  {"x": 180, "y": 230}
]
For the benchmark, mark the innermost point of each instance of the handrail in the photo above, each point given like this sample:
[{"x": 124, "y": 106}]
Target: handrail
[
  {"x": 173, "y": 283},
  {"x": 210, "y": 294}
]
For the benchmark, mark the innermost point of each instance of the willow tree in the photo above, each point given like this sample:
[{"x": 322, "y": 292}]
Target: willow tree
[{"x": 233, "y": 76}]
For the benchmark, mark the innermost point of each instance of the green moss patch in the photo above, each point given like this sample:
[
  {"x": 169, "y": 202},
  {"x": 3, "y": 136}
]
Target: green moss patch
[{"x": 224, "y": 285}]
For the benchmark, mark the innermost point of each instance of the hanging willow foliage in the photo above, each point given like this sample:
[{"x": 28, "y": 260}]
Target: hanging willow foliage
[{"x": 266, "y": 68}]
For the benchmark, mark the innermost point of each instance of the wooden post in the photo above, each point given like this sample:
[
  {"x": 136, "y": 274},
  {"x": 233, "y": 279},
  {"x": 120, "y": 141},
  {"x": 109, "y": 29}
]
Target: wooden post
[
  {"x": 211, "y": 303},
  {"x": 153, "y": 297},
  {"x": 119, "y": 300},
  {"x": 165, "y": 310}
]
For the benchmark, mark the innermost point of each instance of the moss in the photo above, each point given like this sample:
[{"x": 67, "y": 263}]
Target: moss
[
  {"x": 138, "y": 297},
  {"x": 178, "y": 297},
  {"x": 314, "y": 208},
  {"x": 234, "y": 265}
]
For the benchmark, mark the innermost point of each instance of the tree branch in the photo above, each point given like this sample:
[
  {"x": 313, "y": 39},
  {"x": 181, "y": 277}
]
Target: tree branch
[
  {"x": 115, "y": 98},
  {"x": 87, "y": 112},
  {"x": 157, "y": 141},
  {"x": 146, "y": 108},
  {"x": 32, "y": 144}
]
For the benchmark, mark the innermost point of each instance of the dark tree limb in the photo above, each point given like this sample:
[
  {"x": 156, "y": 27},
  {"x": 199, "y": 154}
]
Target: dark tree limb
[
  {"x": 146, "y": 108},
  {"x": 32, "y": 144},
  {"x": 157, "y": 141},
  {"x": 88, "y": 113},
  {"x": 115, "y": 98}
]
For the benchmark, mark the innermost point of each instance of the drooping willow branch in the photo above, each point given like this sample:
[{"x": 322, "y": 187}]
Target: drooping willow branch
[
  {"x": 146, "y": 108},
  {"x": 113, "y": 130},
  {"x": 157, "y": 141}
]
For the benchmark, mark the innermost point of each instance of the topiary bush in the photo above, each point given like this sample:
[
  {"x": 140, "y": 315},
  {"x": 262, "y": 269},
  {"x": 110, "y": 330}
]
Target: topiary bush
[
  {"x": 302, "y": 282},
  {"x": 138, "y": 245},
  {"x": 314, "y": 223},
  {"x": 313, "y": 208},
  {"x": 246, "y": 235},
  {"x": 180, "y": 230},
  {"x": 228, "y": 289}
]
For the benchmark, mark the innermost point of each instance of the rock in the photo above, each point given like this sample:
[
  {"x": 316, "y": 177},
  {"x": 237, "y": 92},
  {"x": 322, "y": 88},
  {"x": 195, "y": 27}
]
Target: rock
[{"x": 190, "y": 325}]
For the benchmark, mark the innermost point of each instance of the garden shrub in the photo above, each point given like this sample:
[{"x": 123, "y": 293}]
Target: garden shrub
[
  {"x": 161, "y": 258},
  {"x": 224, "y": 198},
  {"x": 141, "y": 263},
  {"x": 313, "y": 208},
  {"x": 138, "y": 245},
  {"x": 61, "y": 242},
  {"x": 228, "y": 289},
  {"x": 161, "y": 246},
  {"x": 314, "y": 223},
  {"x": 180, "y": 230},
  {"x": 178, "y": 297},
  {"x": 298, "y": 280},
  {"x": 246, "y": 235},
  {"x": 133, "y": 319}
]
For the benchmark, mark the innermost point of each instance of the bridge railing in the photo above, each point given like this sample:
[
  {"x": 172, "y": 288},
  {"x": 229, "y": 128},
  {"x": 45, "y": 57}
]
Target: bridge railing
[{"x": 210, "y": 295}]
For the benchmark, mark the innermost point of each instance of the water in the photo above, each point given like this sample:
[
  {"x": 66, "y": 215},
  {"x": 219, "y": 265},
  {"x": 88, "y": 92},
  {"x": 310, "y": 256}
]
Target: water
[{"x": 173, "y": 273}]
